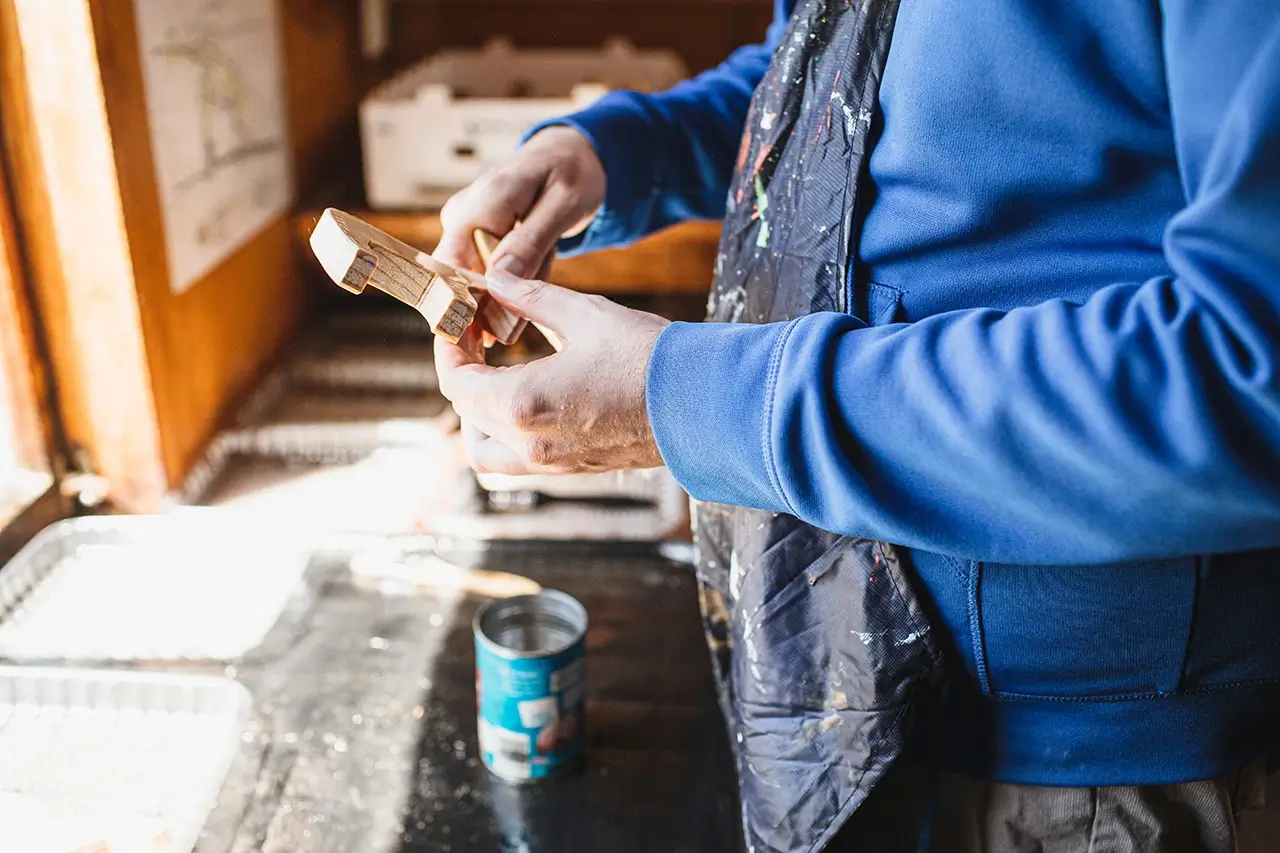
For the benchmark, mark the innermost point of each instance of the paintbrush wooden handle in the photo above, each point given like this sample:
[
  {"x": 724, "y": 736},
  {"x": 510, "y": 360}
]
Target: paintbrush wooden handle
[
  {"x": 505, "y": 326},
  {"x": 485, "y": 244}
]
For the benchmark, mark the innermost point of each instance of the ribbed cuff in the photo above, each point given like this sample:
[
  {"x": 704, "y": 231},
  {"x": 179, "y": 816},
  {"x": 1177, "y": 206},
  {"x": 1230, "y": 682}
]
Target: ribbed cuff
[{"x": 709, "y": 391}]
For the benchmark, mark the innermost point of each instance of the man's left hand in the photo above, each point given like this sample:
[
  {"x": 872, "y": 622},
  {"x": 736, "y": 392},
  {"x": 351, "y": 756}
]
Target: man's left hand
[{"x": 581, "y": 409}]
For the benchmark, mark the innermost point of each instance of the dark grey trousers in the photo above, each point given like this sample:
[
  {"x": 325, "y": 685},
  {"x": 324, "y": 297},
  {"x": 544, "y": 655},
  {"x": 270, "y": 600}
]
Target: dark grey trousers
[{"x": 972, "y": 816}]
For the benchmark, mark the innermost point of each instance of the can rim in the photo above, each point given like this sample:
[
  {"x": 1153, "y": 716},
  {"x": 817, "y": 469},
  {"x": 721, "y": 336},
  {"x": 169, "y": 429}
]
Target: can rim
[{"x": 579, "y": 612}]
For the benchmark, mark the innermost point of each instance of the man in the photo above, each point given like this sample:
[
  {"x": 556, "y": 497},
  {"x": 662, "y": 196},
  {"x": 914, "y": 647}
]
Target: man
[{"x": 1000, "y": 285}]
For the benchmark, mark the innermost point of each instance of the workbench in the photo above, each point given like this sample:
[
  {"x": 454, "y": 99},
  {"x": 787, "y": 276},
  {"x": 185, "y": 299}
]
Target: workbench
[{"x": 365, "y": 735}]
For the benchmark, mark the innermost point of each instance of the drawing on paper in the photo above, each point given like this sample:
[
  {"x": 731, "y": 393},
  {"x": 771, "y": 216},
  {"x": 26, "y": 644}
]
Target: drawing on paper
[{"x": 215, "y": 103}]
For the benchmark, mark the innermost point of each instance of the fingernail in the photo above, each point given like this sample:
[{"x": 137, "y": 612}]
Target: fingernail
[
  {"x": 502, "y": 279},
  {"x": 513, "y": 265}
]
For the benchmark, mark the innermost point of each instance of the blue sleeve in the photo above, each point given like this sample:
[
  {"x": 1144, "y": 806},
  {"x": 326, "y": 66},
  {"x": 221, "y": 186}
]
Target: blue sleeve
[
  {"x": 668, "y": 157},
  {"x": 1142, "y": 423}
]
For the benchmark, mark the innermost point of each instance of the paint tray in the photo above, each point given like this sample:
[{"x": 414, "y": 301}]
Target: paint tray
[
  {"x": 288, "y": 417},
  {"x": 285, "y": 399},
  {"x": 320, "y": 489},
  {"x": 147, "y": 589},
  {"x": 350, "y": 365},
  {"x": 119, "y": 745},
  {"x": 385, "y": 326}
]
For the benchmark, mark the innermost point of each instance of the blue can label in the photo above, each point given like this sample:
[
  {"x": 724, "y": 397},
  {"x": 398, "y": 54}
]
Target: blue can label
[{"x": 531, "y": 712}]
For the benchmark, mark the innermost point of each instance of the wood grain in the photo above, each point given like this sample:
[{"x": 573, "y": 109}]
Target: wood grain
[
  {"x": 356, "y": 255},
  {"x": 204, "y": 346},
  {"x": 144, "y": 376},
  {"x": 59, "y": 143},
  {"x": 677, "y": 260},
  {"x": 24, "y": 378},
  {"x": 325, "y": 79},
  {"x": 505, "y": 326}
]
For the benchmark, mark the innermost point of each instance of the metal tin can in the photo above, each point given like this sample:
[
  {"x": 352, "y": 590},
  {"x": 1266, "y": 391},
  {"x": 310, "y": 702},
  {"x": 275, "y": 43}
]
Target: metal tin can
[{"x": 531, "y": 685}]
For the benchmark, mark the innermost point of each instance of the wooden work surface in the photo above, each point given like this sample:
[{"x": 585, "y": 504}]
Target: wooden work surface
[
  {"x": 367, "y": 731},
  {"x": 678, "y": 260}
]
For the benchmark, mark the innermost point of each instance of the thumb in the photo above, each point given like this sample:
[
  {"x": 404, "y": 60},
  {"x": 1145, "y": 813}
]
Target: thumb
[
  {"x": 546, "y": 305},
  {"x": 532, "y": 239}
]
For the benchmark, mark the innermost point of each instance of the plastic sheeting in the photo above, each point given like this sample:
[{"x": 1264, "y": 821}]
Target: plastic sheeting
[{"x": 819, "y": 644}]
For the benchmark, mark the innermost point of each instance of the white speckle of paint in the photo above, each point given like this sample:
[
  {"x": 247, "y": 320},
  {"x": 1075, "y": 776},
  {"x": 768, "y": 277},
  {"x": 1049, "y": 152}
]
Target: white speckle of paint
[
  {"x": 735, "y": 305},
  {"x": 735, "y": 577},
  {"x": 850, "y": 123},
  {"x": 436, "y": 620},
  {"x": 864, "y": 637},
  {"x": 378, "y": 643},
  {"x": 762, "y": 206},
  {"x": 911, "y": 638},
  {"x": 767, "y": 120},
  {"x": 763, "y": 780},
  {"x": 864, "y": 116}
]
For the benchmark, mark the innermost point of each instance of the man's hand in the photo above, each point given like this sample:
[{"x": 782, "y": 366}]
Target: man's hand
[
  {"x": 579, "y": 410},
  {"x": 552, "y": 186}
]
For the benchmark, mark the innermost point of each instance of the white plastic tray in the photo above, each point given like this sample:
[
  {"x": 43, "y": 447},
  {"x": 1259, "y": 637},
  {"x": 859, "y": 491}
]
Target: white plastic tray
[
  {"x": 318, "y": 488},
  {"x": 147, "y": 588},
  {"x": 286, "y": 404},
  {"x": 343, "y": 365},
  {"x": 400, "y": 325},
  {"x": 120, "y": 744},
  {"x": 291, "y": 419}
]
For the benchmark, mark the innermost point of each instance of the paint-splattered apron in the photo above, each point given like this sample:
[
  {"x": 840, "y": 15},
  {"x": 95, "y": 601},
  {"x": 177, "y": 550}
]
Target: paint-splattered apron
[{"x": 819, "y": 643}]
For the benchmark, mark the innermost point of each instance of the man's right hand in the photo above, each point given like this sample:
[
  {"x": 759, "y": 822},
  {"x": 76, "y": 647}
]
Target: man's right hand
[{"x": 551, "y": 186}]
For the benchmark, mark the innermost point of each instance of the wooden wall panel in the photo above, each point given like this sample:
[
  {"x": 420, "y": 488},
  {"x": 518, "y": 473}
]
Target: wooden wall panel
[
  {"x": 198, "y": 351},
  {"x": 325, "y": 78},
  {"x": 69, "y": 204},
  {"x": 701, "y": 33},
  {"x": 206, "y": 345},
  {"x": 144, "y": 374},
  {"x": 25, "y": 380}
]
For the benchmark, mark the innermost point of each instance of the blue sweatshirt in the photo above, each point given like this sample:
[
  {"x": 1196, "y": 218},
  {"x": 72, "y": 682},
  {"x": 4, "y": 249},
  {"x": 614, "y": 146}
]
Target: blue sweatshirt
[{"x": 1077, "y": 214}]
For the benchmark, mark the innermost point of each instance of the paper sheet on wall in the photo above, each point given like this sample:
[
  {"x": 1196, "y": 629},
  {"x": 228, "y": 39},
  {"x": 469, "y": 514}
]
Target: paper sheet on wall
[{"x": 214, "y": 83}]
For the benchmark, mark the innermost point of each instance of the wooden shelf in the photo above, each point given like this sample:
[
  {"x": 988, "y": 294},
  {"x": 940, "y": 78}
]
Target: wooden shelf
[{"x": 679, "y": 260}]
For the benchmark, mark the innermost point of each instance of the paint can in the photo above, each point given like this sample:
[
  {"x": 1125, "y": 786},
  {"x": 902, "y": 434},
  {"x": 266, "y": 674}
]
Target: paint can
[{"x": 531, "y": 683}]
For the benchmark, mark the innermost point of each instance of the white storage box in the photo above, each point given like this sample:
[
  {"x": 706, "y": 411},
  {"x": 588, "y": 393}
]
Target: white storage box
[{"x": 438, "y": 126}]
